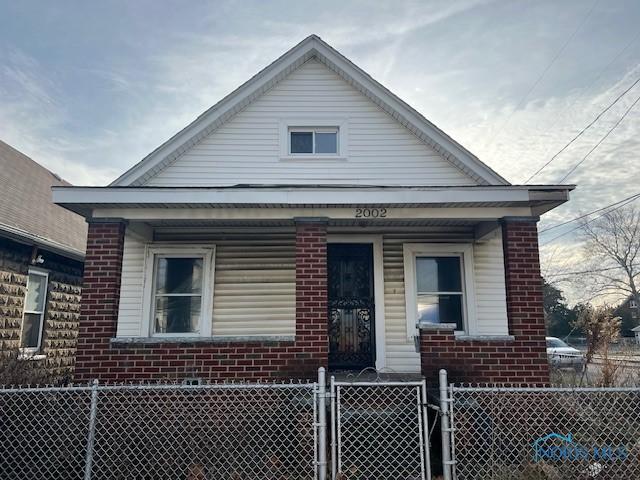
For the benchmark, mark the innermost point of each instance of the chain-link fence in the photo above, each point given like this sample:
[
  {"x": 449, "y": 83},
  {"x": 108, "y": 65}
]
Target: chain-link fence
[
  {"x": 191, "y": 432},
  {"x": 545, "y": 433}
]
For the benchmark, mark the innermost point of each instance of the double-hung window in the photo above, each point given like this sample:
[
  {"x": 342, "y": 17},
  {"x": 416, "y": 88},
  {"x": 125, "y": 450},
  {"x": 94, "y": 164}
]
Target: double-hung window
[
  {"x": 439, "y": 285},
  {"x": 439, "y": 293},
  {"x": 319, "y": 141},
  {"x": 179, "y": 291},
  {"x": 34, "y": 307}
]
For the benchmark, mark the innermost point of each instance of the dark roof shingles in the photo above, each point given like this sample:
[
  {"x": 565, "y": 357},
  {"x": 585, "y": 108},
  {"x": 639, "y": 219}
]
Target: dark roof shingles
[{"x": 25, "y": 201}]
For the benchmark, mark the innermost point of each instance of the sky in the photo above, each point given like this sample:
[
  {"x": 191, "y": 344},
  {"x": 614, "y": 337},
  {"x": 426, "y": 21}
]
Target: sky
[{"x": 88, "y": 88}]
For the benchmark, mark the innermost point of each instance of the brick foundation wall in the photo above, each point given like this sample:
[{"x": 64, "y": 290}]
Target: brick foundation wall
[
  {"x": 521, "y": 360},
  {"x": 98, "y": 357}
]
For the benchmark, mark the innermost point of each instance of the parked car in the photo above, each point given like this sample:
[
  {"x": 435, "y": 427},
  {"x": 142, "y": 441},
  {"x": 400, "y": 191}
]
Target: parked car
[{"x": 563, "y": 356}]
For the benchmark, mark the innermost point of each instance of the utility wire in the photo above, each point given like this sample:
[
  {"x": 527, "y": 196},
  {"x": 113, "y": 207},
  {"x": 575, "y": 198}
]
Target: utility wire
[
  {"x": 589, "y": 221},
  {"x": 575, "y": 101},
  {"x": 544, "y": 230},
  {"x": 544, "y": 72},
  {"x": 624, "y": 115},
  {"x": 597, "y": 270},
  {"x": 581, "y": 132}
]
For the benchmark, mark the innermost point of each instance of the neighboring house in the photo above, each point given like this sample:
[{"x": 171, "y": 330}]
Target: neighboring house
[
  {"x": 41, "y": 259},
  {"x": 629, "y": 314},
  {"x": 636, "y": 332},
  {"x": 311, "y": 218},
  {"x": 631, "y": 306}
]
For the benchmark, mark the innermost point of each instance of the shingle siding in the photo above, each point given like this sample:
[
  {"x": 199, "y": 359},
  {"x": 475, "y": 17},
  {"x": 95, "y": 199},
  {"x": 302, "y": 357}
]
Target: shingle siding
[{"x": 62, "y": 308}]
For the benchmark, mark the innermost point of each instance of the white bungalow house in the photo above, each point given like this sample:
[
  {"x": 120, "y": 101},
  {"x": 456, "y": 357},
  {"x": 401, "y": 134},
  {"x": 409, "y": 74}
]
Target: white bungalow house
[{"x": 311, "y": 218}]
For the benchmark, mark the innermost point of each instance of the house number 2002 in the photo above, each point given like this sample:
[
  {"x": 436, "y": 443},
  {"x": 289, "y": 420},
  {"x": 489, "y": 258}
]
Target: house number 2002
[{"x": 371, "y": 212}]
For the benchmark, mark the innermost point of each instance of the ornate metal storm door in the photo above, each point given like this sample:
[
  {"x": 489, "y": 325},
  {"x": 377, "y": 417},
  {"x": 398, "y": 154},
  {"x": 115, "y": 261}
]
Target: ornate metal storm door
[{"x": 351, "y": 306}]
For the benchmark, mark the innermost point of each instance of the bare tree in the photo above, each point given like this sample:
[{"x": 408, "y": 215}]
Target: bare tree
[{"x": 612, "y": 249}]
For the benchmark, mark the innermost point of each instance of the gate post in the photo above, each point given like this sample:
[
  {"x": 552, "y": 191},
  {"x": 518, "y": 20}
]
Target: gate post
[
  {"x": 334, "y": 440},
  {"x": 445, "y": 427},
  {"x": 322, "y": 424},
  {"x": 425, "y": 430},
  {"x": 88, "y": 460}
]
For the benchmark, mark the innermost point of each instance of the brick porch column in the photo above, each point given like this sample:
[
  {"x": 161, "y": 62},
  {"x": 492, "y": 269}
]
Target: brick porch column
[
  {"x": 524, "y": 295},
  {"x": 100, "y": 297},
  {"x": 312, "y": 340}
]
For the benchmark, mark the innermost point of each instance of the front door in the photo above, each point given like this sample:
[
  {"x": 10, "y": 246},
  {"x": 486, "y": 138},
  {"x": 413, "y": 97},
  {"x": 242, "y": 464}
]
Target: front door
[{"x": 351, "y": 306}]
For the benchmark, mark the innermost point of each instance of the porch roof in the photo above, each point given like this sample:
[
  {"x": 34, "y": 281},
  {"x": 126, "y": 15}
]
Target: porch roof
[{"x": 85, "y": 200}]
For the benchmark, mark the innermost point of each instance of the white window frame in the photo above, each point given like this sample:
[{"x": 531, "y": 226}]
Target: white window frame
[
  {"x": 207, "y": 253},
  {"x": 411, "y": 251},
  {"x": 43, "y": 273},
  {"x": 314, "y": 124},
  {"x": 313, "y": 131}
]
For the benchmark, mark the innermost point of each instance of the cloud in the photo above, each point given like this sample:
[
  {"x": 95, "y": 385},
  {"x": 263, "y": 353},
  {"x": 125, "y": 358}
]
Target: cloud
[
  {"x": 33, "y": 115},
  {"x": 92, "y": 112}
]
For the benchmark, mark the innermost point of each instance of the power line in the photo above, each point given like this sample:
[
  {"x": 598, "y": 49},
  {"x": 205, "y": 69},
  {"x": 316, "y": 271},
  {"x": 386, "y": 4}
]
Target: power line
[
  {"x": 624, "y": 115},
  {"x": 575, "y": 101},
  {"x": 597, "y": 270},
  {"x": 544, "y": 72},
  {"x": 581, "y": 132},
  {"x": 590, "y": 213},
  {"x": 589, "y": 221}
]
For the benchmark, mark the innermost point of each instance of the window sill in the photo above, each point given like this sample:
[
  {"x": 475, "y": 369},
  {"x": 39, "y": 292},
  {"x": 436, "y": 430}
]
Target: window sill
[
  {"x": 124, "y": 341},
  {"x": 484, "y": 338},
  {"x": 31, "y": 356},
  {"x": 324, "y": 158},
  {"x": 437, "y": 326}
]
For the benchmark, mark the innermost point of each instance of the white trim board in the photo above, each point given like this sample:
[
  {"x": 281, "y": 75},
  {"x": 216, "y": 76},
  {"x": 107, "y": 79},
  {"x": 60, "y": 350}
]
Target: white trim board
[
  {"x": 378, "y": 288},
  {"x": 311, "y": 47},
  {"x": 449, "y": 196}
]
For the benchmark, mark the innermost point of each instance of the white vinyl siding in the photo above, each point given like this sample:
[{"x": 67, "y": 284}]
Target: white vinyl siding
[
  {"x": 131, "y": 287},
  {"x": 254, "y": 285},
  {"x": 491, "y": 294},
  {"x": 489, "y": 283},
  {"x": 247, "y": 148}
]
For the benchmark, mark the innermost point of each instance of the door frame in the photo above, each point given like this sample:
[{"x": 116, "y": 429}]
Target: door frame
[{"x": 378, "y": 288}]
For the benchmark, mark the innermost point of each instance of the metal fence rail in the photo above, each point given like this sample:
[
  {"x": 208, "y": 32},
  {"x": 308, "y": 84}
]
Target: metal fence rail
[
  {"x": 545, "y": 433},
  {"x": 192, "y": 432}
]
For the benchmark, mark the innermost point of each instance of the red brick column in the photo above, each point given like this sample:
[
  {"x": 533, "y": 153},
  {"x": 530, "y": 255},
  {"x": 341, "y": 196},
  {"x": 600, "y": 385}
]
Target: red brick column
[
  {"x": 519, "y": 359},
  {"x": 312, "y": 340},
  {"x": 525, "y": 308},
  {"x": 100, "y": 297}
]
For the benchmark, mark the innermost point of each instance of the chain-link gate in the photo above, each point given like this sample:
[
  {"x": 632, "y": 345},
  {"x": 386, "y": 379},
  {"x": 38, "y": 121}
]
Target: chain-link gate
[
  {"x": 513, "y": 433},
  {"x": 379, "y": 430}
]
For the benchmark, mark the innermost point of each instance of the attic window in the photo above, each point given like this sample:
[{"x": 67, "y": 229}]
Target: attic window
[{"x": 320, "y": 141}]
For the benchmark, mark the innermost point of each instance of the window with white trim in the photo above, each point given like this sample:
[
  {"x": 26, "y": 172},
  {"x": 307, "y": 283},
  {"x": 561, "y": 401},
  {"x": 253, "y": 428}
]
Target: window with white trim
[
  {"x": 439, "y": 292},
  {"x": 313, "y": 141},
  {"x": 321, "y": 137},
  {"x": 179, "y": 291},
  {"x": 34, "y": 307},
  {"x": 439, "y": 286}
]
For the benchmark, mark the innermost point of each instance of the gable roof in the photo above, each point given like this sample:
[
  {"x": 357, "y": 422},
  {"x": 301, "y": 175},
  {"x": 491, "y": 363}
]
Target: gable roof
[
  {"x": 27, "y": 212},
  {"x": 311, "y": 47}
]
